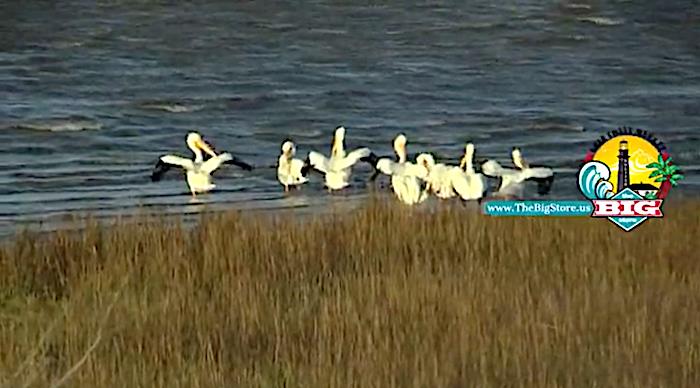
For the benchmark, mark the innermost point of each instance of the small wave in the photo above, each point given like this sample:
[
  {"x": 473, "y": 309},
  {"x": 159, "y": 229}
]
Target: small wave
[
  {"x": 577, "y": 6},
  {"x": 249, "y": 102},
  {"x": 348, "y": 93},
  {"x": 68, "y": 44},
  {"x": 555, "y": 124},
  {"x": 170, "y": 106},
  {"x": 328, "y": 31},
  {"x": 134, "y": 39},
  {"x": 480, "y": 25},
  {"x": 60, "y": 124},
  {"x": 601, "y": 21}
]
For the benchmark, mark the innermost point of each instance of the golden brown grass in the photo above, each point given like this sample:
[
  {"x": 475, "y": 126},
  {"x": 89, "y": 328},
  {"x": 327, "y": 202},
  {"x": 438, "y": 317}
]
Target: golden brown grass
[{"x": 385, "y": 296}]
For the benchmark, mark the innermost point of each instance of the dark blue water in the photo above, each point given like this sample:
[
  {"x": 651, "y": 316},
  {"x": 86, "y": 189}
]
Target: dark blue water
[{"x": 91, "y": 94}]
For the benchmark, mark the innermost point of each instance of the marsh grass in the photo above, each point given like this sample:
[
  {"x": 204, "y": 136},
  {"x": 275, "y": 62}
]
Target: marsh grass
[{"x": 383, "y": 296}]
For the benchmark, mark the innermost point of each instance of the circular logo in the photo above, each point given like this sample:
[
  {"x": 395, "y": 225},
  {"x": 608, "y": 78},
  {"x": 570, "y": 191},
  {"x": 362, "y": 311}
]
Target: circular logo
[{"x": 636, "y": 160}]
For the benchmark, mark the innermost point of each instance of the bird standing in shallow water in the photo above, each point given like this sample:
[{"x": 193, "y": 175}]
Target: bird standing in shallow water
[
  {"x": 512, "y": 180},
  {"x": 197, "y": 170},
  {"x": 406, "y": 177},
  {"x": 338, "y": 167},
  {"x": 439, "y": 177},
  {"x": 450, "y": 181},
  {"x": 467, "y": 183},
  {"x": 291, "y": 172}
]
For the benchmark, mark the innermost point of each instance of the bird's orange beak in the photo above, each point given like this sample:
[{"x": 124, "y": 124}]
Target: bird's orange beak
[{"x": 206, "y": 148}]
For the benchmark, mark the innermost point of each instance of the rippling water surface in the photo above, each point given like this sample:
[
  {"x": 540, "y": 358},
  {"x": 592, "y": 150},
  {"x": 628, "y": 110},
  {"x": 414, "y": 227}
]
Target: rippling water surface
[{"x": 93, "y": 92}]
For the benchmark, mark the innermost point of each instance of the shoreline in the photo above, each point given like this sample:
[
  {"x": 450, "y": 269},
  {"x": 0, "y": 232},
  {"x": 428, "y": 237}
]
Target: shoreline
[{"x": 346, "y": 203}]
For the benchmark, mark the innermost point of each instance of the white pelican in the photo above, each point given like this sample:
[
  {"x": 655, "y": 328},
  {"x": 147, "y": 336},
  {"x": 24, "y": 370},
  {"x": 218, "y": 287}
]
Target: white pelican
[
  {"x": 198, "y": 171},
  {"x": 467, "y": 183},
  {"x": 405, "y": 176},
  {"x": 291, "y": 171},
  {"x": 512, "y": 180},
  {"x": 338, "y": 166},
  {"x": 447, "y": 181},
  {"x": 439, "y": 176}
]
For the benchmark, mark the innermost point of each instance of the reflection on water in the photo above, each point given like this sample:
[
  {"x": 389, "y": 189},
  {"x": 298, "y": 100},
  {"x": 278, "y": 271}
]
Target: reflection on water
[
  {"x": 296, "y": 199},
  {"x": 195, "y": 206}
]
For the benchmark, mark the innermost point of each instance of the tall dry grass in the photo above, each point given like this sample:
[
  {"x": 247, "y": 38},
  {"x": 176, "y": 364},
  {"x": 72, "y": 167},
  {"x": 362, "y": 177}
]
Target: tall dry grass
[{"x": 386, "y": 296}]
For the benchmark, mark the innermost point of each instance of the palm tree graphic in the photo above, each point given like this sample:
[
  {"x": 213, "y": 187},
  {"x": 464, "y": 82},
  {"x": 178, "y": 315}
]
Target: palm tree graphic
[{"x": 664, "y": 171}]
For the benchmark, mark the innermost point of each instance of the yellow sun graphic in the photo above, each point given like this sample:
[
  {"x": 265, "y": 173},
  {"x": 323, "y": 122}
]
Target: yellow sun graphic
[{"x": 641, "y": 152}]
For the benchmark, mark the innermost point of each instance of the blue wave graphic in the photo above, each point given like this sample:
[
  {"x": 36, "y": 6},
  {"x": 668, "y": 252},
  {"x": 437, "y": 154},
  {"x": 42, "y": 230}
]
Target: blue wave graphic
[{"x": 593, "y": 181}]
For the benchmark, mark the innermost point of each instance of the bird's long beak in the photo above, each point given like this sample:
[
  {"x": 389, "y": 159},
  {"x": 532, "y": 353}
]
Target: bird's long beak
[
  {"x": 463, "y": 162},
  {"x": 206, "y": 148}
]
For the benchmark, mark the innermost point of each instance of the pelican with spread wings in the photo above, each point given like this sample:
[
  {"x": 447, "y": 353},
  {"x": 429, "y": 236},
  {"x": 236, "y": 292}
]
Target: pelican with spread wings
[
  {"x": 338, "y": 166},
  {"x": 512, "y": 180},
  {"x": 197, "y": 171}
]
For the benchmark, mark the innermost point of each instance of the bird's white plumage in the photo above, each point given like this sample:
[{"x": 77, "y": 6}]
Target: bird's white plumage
[
  {"x": 174, "y": 160},
  {"x": 290, "y": 169},
  {"x": 450, "y": 181},
  {"x": 338, "y": 167},
  {"x": 349, "y": 160},
  {"x": 439, "y": 176},
  {"x": 389, "y": 167},
  {"x": 405, "y": 176},
  {"x": 538, "y": 172},
  {"x": 468, "y": 184},
  {"x": 408, "y": 189},
  {"x": 492, "y": 168},
  {"x": 320, "y": 162},
  {"x": 197, "y": 170},
  {"x": 512, "y": 180},
  {"x": 215, "y": 162}
]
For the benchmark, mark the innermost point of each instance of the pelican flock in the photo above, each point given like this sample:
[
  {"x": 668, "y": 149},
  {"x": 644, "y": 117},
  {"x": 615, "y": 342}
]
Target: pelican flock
[{"x": 411, "y": 182}]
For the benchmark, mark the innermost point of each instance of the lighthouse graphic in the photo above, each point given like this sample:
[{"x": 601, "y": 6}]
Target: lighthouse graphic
[
  {"x": 623, "y": 167},
  {"x": 627, "y": 176}
]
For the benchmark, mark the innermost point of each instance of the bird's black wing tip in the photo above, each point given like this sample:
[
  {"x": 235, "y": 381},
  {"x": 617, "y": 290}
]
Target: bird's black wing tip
[
  {"x": 159, "y": 170},
  {"x": 544, "y": 185},
  {"x": 370, "y": 159},
  {"x": 306, "y": 168},
  {"x": 239, "y": 163}
]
